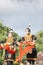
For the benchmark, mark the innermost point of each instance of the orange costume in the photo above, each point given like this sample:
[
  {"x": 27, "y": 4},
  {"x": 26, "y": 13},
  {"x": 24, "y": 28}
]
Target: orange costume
[
  {"x": 29, "y": 45},
  {"x": 7, "y": 47}
]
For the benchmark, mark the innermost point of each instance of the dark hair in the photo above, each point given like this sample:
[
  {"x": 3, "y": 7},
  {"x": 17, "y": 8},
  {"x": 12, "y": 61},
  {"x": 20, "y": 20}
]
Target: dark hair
[
  {"x": 23, "y": 39},
  {"x": 33, "y": 37},
  {"x": 20, "y": 40}
]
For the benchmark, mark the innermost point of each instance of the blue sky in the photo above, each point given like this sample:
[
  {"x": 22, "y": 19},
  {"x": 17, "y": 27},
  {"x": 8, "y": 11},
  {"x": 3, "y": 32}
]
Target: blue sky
[{"x": 18, "y": 14}]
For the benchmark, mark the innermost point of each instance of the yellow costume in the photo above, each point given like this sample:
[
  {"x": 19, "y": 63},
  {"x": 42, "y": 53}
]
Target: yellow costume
[
  {"x": 28, "y": 37},
  {"x": 10, "y": 40}
]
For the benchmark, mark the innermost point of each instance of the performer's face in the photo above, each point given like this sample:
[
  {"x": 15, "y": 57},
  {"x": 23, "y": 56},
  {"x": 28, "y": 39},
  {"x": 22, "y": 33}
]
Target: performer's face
[
  {"x": 27, "y": 32},
  {"x": 10, "y": 35}
]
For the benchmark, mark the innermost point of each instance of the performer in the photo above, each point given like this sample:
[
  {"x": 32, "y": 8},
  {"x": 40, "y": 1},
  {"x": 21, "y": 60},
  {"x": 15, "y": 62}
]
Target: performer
[
  {"x": 9, "y": 56},
  {"x": 32, "y": 54}
]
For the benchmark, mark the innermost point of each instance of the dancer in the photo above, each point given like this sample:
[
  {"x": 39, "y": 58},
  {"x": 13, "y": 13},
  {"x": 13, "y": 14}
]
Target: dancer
[
  {"x": 10, "y": 55},
  {"x": 32, "y": 54}
]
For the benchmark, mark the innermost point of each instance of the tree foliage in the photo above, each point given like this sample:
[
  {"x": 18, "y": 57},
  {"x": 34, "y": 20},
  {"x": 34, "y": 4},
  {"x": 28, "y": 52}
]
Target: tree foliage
[{"x": 39, "y": 41}]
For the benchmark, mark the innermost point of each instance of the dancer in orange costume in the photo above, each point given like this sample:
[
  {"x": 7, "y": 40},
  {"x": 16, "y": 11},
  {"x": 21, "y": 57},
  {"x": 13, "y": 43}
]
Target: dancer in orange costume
[
  {"x": 32, "y": 54},
  {"x": 10, "y": 49},
  {"x": 30, "y": 46}
]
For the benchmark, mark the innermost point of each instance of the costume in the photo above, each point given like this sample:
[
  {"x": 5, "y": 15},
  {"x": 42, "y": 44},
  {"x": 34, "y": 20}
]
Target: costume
[
  {"x": 9, "y": 51},
  {"x": 31, "y": 56}
]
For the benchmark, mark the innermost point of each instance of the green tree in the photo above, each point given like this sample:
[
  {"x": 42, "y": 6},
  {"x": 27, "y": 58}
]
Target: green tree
[{"x": 39, "y": 41}]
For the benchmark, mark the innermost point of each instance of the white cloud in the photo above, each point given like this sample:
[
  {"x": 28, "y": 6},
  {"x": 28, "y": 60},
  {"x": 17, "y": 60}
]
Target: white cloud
[
  {"x": 41, "y": 1},
  {"x": 19, "y": 4},
  {"x": 5, "y": 4},
  {"x": 8, "y": 5}
]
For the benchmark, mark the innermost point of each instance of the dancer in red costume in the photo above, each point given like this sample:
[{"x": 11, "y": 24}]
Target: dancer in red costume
[
  {"x": 30, "y": 46},
  {"x": 10, "y": 49},
  {"x": 32, "y": 54}
]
